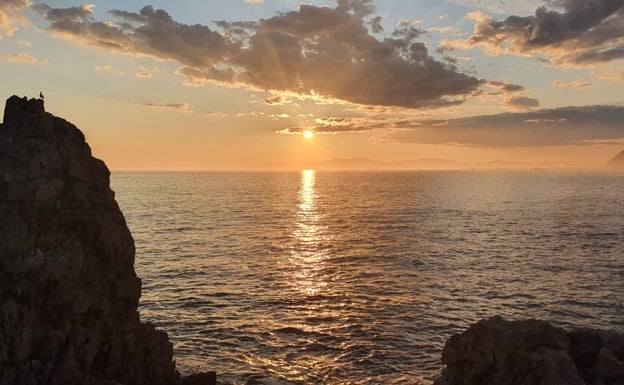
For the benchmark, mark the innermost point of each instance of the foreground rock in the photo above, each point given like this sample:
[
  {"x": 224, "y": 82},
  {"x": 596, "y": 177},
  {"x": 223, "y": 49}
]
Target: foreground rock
[
  {"x": 531, "y": 352},
  {"x": 68, "y": 290}
]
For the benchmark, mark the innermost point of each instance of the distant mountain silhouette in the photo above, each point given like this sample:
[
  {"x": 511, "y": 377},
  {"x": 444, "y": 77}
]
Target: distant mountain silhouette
[
  {"x": 348, "y": 164},
  {"x": 617, "y": 161},
  {"x": 368, "y": 164},
  {"x": 362, "y": 164}
]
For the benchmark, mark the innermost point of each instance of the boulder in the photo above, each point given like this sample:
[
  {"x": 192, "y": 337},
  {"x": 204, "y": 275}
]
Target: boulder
[{"x": 532, "y": 352}]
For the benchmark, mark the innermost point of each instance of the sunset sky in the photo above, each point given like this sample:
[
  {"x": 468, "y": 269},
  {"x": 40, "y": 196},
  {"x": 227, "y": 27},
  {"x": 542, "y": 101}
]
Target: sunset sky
[{"x": 234, "y": 84}]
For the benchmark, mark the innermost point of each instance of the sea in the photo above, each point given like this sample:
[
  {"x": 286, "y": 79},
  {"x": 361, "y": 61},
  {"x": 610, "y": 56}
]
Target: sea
[{"x": 317, "y": 277}]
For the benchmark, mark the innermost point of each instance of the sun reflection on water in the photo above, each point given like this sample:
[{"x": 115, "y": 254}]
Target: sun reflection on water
[{"x": 307, "y": 252}]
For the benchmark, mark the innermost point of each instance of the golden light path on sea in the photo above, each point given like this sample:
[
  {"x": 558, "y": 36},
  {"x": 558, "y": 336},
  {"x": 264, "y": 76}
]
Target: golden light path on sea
[{"x": 307, "y": 256}]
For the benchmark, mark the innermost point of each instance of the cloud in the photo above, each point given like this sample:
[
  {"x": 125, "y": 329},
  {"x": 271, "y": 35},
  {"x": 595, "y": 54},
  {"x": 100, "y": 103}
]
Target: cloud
[
  {"x": 571, "y": 84},
  {"x": 107, "y": 69},
  {"x": 279, "y": 116},
  {"x": 104, "y": 68},
  {"x": 331, "y": 52},
  {"x": 10, "y": 15},
  {"x": 24, "y": 58},
  {"x": 547, "y": 127},
  {"x": 143, "y": 74},
  {"x": 452, "y": 30},
  {"x": 149, "y": 32},
  {"x": 572, "y": 33},
  {"x": 613, "y": 75},
  {"x": 179, "y": 107},
  {"x": 146, "y": 73},
  {"x": 254, "y": 1},
  {"x": 408, "y": 22},
  {"x": 500, "y": 6},
  {"x": 339, "y": 124},
  {"x": 316, "y": 50},
  {"x": 272, "y": 100},
  {"x": 506, "y": 87},
  {"x": 521, "y": 103}
]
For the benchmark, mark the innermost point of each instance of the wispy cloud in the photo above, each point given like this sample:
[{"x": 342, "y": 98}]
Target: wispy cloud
[
  {"x": 108, "y": 69},
  {"x": 24, "y": 58},
  {"x": 612, "y": 75},
  {"x": 143, "y": 74},
  {"x": 104, "y": 68},
  {"x": 11, "y": 15},
  {"x": 322, "y": 51},
  {"x": 146, "y": 73}
]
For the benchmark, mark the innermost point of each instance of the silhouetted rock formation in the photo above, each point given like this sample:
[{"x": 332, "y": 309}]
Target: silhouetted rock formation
[
  {"x": 617, "y": 161},
  {"x": 531, "y": 352},
  {"x": 68, "y": 290}
]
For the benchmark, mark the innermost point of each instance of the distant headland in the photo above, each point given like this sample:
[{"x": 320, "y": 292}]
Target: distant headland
[{"x": 365, "y": 164}]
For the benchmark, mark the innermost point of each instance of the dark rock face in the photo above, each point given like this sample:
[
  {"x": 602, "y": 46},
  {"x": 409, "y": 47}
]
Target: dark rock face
[
  {"x": 68, "y": 290},
  {"x": 531, "y": 352}
]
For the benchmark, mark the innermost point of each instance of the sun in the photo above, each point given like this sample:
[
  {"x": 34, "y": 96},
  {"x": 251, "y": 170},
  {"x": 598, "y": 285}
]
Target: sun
[{"x": 308, "y": 134}]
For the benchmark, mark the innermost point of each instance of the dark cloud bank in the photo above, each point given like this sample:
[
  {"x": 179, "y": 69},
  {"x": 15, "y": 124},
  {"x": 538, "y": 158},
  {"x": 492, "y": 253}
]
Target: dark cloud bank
[
  {"x": 548, "y": 127},
  {"x": 572, "y": 32},
  {"x": 331, "y": 52}
]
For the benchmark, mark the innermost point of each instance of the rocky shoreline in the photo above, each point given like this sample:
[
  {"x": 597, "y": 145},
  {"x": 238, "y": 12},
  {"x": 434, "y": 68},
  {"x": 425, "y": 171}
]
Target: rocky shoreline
[{"x": 69, "y": 292}]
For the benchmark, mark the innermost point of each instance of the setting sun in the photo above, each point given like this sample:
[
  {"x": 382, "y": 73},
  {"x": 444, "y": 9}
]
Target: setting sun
[{"x": 308, "y": 134}]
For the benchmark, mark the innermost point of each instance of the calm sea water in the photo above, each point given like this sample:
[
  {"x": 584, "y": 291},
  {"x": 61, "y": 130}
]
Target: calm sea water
[{"x": 359, "y": 278}]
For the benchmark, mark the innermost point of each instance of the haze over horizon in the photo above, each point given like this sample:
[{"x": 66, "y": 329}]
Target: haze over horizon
[{"x": 222, "y": 84}]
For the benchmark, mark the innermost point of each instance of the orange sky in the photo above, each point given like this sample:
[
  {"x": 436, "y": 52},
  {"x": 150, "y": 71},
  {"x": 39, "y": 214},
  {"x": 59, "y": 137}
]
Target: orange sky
[{"x": 233, "y": 85}]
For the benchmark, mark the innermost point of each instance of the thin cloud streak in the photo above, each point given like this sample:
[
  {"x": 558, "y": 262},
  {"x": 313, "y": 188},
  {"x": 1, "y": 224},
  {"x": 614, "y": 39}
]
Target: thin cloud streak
[
  {"x": 546, "y": 127},
  {"x": 577, "y": 84},
  {"x": 24, "y": 58},
  {"x": 178, "y": 107}
]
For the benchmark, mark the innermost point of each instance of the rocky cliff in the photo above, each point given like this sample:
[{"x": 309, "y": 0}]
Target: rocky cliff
[
  {"x": 68, "y": 290},
  {"x": 532, "y": 352}
]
